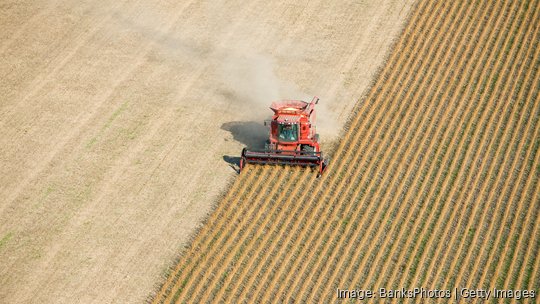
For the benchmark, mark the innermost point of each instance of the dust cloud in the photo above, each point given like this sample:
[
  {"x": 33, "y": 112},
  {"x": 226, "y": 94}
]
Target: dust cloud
[
  {"x": 252, "y": 83},
  {"x": 241, "y": 74}
]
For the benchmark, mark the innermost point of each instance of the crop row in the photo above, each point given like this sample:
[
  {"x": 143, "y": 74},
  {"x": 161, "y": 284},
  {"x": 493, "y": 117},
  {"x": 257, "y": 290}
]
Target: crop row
[{"x": 435, "y": 182}]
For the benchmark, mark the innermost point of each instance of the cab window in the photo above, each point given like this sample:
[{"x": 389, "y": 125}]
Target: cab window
[{"x": 288, "y": 132}]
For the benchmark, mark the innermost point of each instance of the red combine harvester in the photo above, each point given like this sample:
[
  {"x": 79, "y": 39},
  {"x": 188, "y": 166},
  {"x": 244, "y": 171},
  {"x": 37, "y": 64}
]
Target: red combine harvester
[{"x": 293, "y": 140}]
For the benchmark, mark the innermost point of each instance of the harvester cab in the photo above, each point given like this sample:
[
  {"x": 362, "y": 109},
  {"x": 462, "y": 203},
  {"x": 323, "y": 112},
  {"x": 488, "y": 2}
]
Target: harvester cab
[{"x": 292, "y": 140}]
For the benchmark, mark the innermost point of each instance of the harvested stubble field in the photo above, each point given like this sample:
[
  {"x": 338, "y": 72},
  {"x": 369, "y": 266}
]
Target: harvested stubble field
[{"x": 434, "y": 183}]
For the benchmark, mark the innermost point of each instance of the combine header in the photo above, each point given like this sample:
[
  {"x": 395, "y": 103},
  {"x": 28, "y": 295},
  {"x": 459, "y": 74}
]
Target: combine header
[{"x": 293, "y": 140}]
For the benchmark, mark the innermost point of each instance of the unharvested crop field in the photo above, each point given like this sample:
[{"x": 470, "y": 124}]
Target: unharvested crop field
[
  {"x": 435, "y": 182},
  {"x": 118, "y": 119}
]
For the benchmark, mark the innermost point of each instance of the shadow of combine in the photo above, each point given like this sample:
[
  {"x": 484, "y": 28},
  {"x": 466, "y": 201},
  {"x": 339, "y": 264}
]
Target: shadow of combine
[
  {"x": 249, "y": 133},
  {"x": 233, "y": 161}
]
